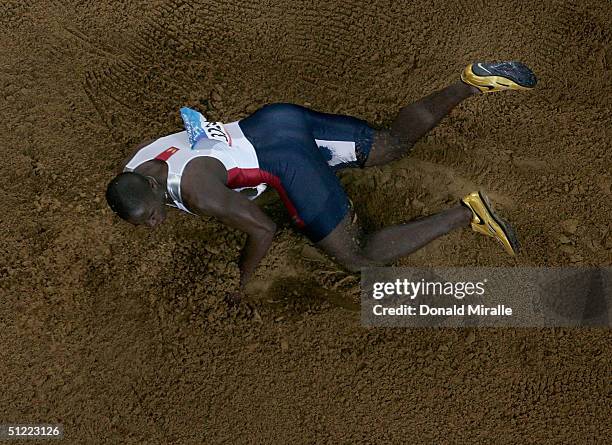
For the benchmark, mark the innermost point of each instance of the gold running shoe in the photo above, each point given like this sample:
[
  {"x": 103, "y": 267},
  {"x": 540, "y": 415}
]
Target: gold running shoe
[
  {"x": 490, "y": 77},
  {"x": 484, "y": 220}
]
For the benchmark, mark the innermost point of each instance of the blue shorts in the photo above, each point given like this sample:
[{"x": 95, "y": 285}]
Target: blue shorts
[{"x": 299, "y": 150}]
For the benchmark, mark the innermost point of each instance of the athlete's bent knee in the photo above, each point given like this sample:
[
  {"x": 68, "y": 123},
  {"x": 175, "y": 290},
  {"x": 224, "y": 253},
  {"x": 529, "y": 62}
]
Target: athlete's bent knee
[
  {"x": 399, "y": 144},
  {"x": 388, "y": 146}
]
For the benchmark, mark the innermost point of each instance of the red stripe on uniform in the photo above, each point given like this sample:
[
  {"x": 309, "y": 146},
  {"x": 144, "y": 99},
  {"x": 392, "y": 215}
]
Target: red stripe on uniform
[
  {"x": 164, "y": 155},
  {"x": 252, "y": 177}
]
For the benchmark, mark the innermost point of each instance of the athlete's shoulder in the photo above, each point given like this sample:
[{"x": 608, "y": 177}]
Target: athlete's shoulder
[
  {"x": 144, "y": 150},
  {"x": 207, "y": 168},
  {"x": 204, "y": 184},
  {"x": 133, "y": 153}
]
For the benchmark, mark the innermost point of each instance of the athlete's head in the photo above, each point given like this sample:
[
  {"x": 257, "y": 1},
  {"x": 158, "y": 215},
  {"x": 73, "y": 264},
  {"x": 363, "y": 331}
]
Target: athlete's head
[{"x": 138, "y": 199}]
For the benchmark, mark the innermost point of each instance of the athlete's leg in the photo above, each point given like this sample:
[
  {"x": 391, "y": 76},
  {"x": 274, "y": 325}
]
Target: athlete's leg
[
  {"x": 354, "y": 250},
  {"x": 417, "y": 119},
  {"x": 414, "y": 121},
  {"x": 320, "y": 207}
]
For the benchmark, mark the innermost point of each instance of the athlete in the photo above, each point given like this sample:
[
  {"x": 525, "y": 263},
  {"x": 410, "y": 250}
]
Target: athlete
[{"x": 217, "y": 170}]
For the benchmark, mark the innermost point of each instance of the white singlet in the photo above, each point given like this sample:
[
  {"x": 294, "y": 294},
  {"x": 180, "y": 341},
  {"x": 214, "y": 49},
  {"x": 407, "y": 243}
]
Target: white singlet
[{"x": 175, "y": 150}]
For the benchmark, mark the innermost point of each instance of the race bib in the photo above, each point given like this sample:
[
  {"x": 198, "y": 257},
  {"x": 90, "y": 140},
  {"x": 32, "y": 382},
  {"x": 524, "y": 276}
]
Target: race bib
[{"x": 198, "y": 127}]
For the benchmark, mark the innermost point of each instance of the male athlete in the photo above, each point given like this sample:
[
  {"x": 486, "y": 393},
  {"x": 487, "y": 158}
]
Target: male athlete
[{"x": 217, "y": 169}]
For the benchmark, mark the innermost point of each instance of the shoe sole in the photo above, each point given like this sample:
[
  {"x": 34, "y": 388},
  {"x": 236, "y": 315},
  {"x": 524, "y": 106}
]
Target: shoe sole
[{"x": 505, "y": 225}]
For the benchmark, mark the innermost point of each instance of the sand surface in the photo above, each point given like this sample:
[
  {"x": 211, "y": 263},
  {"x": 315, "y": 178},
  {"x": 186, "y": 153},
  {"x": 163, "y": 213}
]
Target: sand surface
[{"x": 120, "y": 333}]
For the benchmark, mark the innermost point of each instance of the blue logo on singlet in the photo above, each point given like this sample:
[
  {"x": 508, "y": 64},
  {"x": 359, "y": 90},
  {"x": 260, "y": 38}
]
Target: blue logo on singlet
[
  {"x": 193, "y": 125},
  {"x": 198, "y": 127}
]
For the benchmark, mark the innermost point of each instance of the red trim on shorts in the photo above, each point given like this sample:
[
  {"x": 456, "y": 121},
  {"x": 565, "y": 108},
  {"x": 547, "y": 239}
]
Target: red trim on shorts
[
  {"x": 164, "y": 155},
  {"x": 252, "y": 177}
]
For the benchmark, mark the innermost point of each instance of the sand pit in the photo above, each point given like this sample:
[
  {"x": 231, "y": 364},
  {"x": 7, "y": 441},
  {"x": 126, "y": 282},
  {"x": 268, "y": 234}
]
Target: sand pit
[{"x": 121, "y": 335}]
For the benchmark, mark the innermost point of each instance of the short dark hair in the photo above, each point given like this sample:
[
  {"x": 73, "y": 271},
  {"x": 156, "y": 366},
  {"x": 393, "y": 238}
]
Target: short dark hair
[{"x": 127, "y": 192}]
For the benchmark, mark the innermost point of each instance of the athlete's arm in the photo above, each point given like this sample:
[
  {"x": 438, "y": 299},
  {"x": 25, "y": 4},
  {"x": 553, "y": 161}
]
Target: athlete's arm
[{"x": 235, "y": 210}]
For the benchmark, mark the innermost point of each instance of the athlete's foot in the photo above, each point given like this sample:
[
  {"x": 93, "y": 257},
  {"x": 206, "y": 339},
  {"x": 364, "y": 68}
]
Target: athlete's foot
[
  {"x": 489, "y": 77},
  {"x": 487, "y": 222}
]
